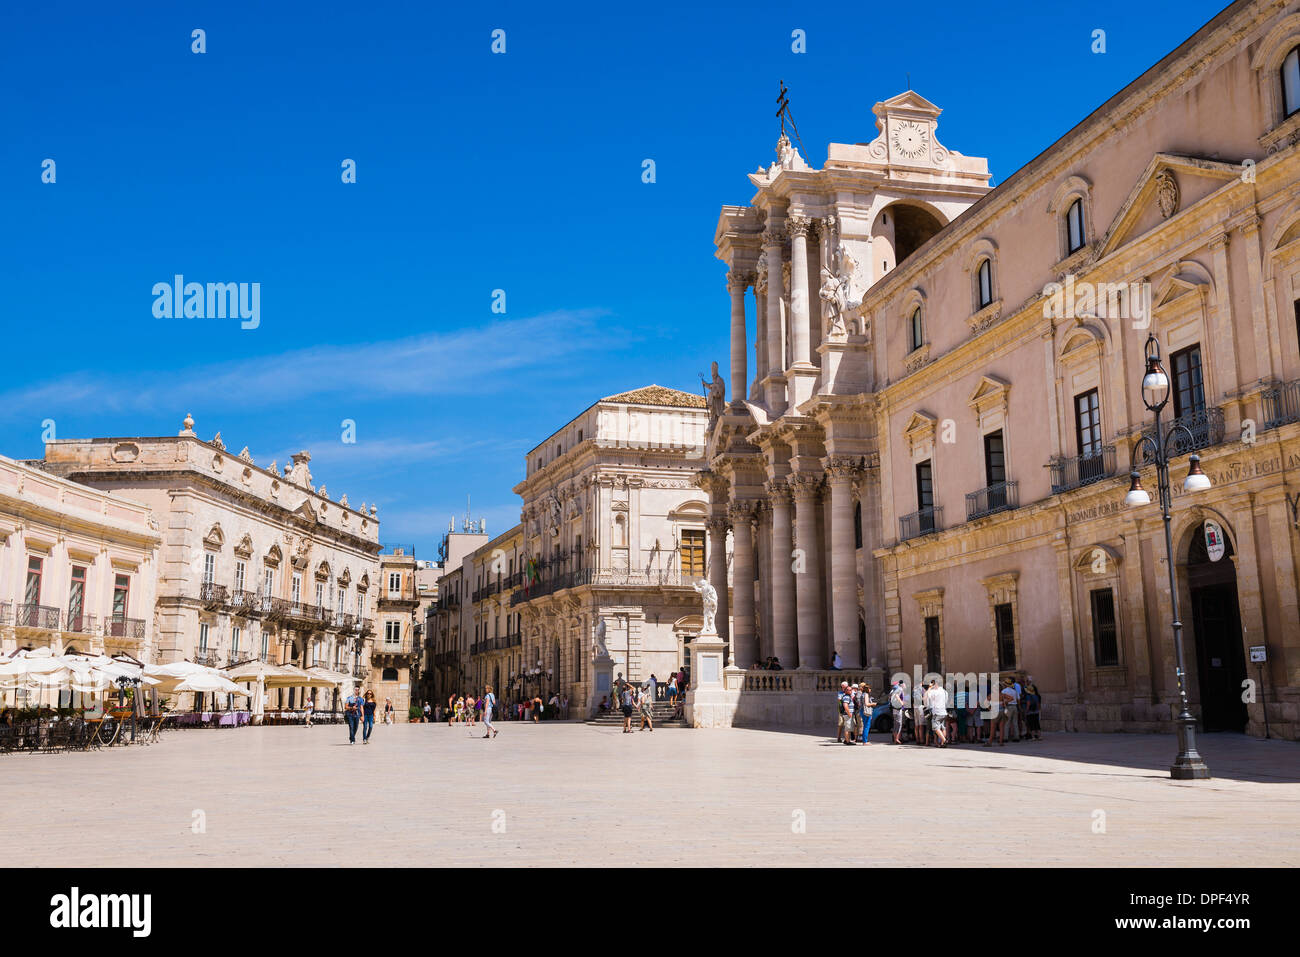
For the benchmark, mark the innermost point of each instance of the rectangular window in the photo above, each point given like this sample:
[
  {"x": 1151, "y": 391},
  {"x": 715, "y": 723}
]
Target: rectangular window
[
  {"x": 121, "y": 594},
  {"x": 1189, "y": 391},
  {"x": 1074, "y": 226},
  {"x": 234, "y": 642},
  {"x": 1006, "y": 635},
  {"x": 995, "y": 462},
  {"x": 392, "y": 632},
  {"x": 77, "y": 598},
  {"x": 925, "y": 495},
  {"x": 394, "y": 584},
  {"x": 1105, "y": 643},
  {"x": 933, "y": 658},
  {"x": 296, "y": 588},
  {"x": 577, "y": 550},
  {"x": 203, "y": 637},
  {"x": 693, "y": 552},
  {"x": 266, "y": 644},
  {"x": 268, "y": 582},
  {"x": 32, "y": 595},
  {"x": 209, "y": 567},
  {"x": 239, "y": 576},
  {"x": 1087, "y": 424},
  {"x": 320, "y": 594}
]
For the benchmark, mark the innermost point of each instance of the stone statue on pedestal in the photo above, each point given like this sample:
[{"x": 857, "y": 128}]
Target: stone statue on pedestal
[
  {"x": 598, "y": 647},
  {"x": 710, "y": 596},
  {"x": 716, "y": 394}
]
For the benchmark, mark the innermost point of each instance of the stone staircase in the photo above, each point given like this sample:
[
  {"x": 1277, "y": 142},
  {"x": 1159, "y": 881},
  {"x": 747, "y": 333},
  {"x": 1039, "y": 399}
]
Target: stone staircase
[{"x": 661, "y": 715}]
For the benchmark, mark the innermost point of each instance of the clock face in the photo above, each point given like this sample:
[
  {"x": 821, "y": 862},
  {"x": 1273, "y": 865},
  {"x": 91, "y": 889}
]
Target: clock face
[{"x": 910, "y": 139}]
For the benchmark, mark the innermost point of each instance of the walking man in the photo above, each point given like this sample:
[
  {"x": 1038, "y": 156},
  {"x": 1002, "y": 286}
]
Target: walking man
[
  {"x": 898, "y": 707},
  {"x": 626, "y": 703},
  {"x": 936, "y": 699},
  {"x": 647, "y": 706},
  {"x": 489, "y": 703},
  {"x": 352, "y": 713}
]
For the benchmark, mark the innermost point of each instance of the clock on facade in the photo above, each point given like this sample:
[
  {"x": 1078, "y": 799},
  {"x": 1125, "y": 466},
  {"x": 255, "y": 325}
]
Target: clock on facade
[{"x": 910, "y": 139}]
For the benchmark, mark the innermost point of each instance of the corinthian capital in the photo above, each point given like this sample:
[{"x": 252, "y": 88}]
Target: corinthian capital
[
  {"x": 737, "y": 281},
  {"x": 798, "y": 226},
  {"x": 773, "y": 237},
  {"x": 804, "y": 485},
  {"x": 740, "y": 512},
  {"x": 777, "y": 491},
  {"x": 842, "y": 468}
]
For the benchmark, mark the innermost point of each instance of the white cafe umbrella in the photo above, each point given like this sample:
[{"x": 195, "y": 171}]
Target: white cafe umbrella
[{"x": 206, "y": 684}]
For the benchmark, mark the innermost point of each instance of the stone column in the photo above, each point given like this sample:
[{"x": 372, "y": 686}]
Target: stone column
[
  {"x": 760, "y": 339},
  {"x": 718, "y": 574},
  {"x": 772, "y": 249},
  {"x": 736, "y": 285},
  {"x": 763, "y": 546},
  {"x": 785, "y": 645},
  {"x": 808, "y": 573},
  {"x": 844, "y": 578},
  {"x": 799, "y": 340},
  {"x": 744, "y": 644}
]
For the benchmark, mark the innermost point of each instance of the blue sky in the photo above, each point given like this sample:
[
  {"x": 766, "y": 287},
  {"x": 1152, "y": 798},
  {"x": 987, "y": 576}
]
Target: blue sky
[{"x": 475, "y": 172}]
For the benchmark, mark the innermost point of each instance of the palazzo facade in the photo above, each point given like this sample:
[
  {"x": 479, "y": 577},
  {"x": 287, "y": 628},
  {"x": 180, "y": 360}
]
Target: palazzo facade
[
  {"x": 613, "y": 530},
  {"x": 926, "y": 461},
  {"x": 253, "y": 562}
]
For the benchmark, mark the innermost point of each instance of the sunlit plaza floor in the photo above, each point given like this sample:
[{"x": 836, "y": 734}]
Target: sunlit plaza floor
[{"x": 571, "y": 794}]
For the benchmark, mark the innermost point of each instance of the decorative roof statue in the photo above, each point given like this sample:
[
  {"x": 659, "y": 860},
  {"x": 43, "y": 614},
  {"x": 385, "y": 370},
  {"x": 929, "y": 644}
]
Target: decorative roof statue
[{"x": 216, "y": 440}]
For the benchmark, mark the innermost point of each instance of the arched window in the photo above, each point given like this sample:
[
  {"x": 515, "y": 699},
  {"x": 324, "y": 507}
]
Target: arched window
[
  {"x": 1291, "y": 82},
  {"x": 918, "y": 337},
  {"x": 984, "y": 281},
  {"x": 1074, "y": 226}
]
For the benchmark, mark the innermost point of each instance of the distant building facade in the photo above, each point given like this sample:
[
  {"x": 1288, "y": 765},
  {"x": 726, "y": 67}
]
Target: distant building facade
[
  {"x": 613, "y": 531},
  {"x": 392, "y": 654},
  {"x": 942, "y": 419},
  {"x": 254, "y": 562},
  {"x": 77, "y": 566}
]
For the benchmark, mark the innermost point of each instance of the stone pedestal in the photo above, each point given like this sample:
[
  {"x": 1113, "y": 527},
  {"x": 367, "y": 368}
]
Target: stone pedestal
[
  {"x": 714, "y": 693},
  {"x": 602, "y": 683}
]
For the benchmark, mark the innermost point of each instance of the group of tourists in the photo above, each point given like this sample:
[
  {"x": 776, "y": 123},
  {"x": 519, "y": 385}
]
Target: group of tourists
[
  {"x": 933, "y": 716},
  {"x": 638, "y": 700}
]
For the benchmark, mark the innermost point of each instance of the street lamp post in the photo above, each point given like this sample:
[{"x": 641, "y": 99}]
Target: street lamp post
[{"x": 1160, "y": 448}]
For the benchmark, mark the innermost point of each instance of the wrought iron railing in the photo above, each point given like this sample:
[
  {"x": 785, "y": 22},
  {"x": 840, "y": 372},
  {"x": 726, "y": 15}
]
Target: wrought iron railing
[
  {"x": 245, "y": 602},
  {"x": 81, "y": 623},
  {"x": 208, "y": 658},
  {"x": 212, "y": 594},
  {"x": 365, "y": 626},
  {"x": 1205, "y": 428},
  {"x": 38, "y": 616},
  {"x": 923, "y": 521},
  {"x": 1281, "y": 404},
  {"x": 1080, "y": 470},
  {"x": 600, "y": 577},
  {"x": 121, "y": 627},
  {"x": 998, "y": 497}
]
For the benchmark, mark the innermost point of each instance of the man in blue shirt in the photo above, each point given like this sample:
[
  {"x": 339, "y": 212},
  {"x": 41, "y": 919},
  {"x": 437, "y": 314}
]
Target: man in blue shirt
[{"x": 352, "y": 706}]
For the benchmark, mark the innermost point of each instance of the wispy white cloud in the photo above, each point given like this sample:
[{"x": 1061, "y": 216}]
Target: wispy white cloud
[{"x": 483, "y": 359}]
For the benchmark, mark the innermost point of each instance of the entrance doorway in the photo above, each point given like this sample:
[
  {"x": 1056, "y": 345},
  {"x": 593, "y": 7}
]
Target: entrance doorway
[{"x": 1216, "y": 624}]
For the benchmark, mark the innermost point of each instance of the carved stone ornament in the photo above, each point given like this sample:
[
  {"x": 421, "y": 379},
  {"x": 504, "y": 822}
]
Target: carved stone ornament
[
  {"x": 247, "y": 456},
  {"x": 1167, "y": 194},
  {"x": 216, "y": 440}
]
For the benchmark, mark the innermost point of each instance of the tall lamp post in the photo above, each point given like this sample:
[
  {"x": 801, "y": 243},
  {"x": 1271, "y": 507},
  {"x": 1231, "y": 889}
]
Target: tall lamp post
[{"x": 1161, "y": 446}]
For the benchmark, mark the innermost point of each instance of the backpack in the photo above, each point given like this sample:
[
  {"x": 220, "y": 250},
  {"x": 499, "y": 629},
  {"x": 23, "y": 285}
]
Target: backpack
[{"x": 896, "y": 699}]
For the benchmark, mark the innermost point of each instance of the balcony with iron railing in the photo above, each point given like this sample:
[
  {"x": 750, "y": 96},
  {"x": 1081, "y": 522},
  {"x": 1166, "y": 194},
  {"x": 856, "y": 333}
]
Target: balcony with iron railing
[
  {"x": 924, "y": 521},
  {"x": 360, "y": 671},
  {"x": 998, "y": 497},
  {"x": 119, "y": 626},
  {"x": 1281, "y": 404},
  {"x": 209, "y": 658},
  {"x": 601, "y": 578},
  {"x": 365, "y": 626},
  {"x": 213, "y": 595},
  {"x": 393, "y": 648},
  {"x": 1205, "y": 428},
  {"x": 244, "y": 602},
  {"x": 43, "y": 617},
  {"x": 1080, "y": 470},
  {"x": 80, "y": 623}
]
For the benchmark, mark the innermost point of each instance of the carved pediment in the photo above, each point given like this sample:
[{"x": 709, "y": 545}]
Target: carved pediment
[
  {"x": 245, "y": 547},
  {"x": 215, "y": 537},
  {"x": 1170, "y": 184}
]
